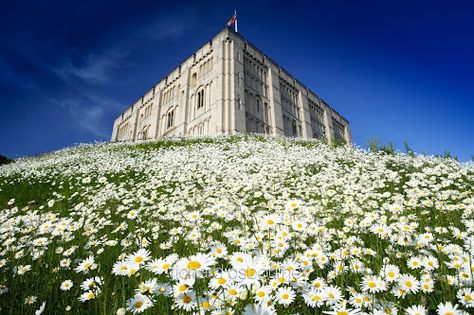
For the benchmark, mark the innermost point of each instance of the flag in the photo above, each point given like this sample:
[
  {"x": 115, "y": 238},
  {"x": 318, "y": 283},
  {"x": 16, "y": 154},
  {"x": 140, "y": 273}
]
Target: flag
[{"x": 233, "y": 20}]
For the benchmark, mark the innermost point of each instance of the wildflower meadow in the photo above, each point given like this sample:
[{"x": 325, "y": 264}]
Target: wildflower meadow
[{"x": 236, "y": 225}]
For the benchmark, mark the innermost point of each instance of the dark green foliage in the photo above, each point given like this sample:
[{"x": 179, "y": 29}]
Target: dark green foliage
[
  {"x": 408, "y": 149},
  {"x": 4, "y": 160},
  {"x": 374, "y": 145},
  {"x": 388, "y": 149}
]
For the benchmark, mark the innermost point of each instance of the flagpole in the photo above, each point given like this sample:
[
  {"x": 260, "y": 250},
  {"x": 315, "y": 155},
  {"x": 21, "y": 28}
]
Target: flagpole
[{"x": 235, "y": 12}]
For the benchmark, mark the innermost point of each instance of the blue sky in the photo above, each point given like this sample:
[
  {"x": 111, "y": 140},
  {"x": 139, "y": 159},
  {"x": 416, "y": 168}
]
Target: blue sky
[{"x": 398, "y": 70}]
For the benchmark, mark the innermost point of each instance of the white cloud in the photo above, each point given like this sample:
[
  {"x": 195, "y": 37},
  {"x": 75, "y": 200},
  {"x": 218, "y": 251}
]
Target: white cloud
[
  {"x": 89, "y": 112},
  {"x": 96, "y": 68}
]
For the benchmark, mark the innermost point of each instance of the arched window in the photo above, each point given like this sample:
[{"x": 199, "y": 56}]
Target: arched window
[
  {"x": 200, "y": 99},
  {"x": 293, "y": 125},
  {"x": 170, "y": 119},
  {"x": 193, "y": 79}
]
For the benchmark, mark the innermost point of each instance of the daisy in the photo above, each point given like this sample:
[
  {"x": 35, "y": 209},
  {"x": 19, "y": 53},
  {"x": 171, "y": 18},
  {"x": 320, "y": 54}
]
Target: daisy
[
  {"x": 139, "y": 303},
  {"x": 186, "y": 301},
  {"x": 293, "y": 204},
  {"x": 357, "y": 300},
  {"x": 218, "y": 250},
  {"x": 193, "y": 266},
  {"x": 163, "y": 289},
  {"x": 232, "y": 292},
  {"x": 466, "y": 297},
  {"x": 147, "y": 287},
  {"x": 270, "y": 221},
  {"x": 22, "y": 269},
  {"x": 183, "y": 286},
  {"x": 416, "y": 310},
  {"x": 159, "y": 266},
  {"x": 341, "y": 309},
  {"x": 120, "y": 268},
  {"x": 86, "y": 296},
  {"x": 285, "y": 295},
  {"x": 91, "y": 283},
  {"x": 221, "y": 279},
  {"x": 314, "y": 297},
  {"x": 409, "y": 283},
  {"x": 448, "y": 309},
  {"x": 391, "y": 273},
  {"x": 86, "y": 265},
  {"x": 139, "y": 257},
  {"x": 258, "y": 309},
  {"x": 66, "y": 285},
  {"x": 373, "y": 284},
  {"x": 318, "y": 283},
  {"x": 430, "y": 263},
  {"x": 262, "y": 294},
  {"x": 30, "y": 299},
  {"x": 332, "y": 294},
  {"x": 132, "y": 214},
  {"x": 415, "y": 263}
]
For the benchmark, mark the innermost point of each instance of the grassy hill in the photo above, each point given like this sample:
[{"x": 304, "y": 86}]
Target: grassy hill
[{"x": 241, "y": 224}]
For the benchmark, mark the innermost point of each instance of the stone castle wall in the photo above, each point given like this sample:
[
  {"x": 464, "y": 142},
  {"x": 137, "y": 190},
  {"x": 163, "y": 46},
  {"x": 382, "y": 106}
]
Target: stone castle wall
[{"x": 229, "y": 86}]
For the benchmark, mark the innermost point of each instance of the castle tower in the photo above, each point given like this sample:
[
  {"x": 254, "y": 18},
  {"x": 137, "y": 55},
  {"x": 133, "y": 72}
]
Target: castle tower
[{"x": 229, "y": 86}]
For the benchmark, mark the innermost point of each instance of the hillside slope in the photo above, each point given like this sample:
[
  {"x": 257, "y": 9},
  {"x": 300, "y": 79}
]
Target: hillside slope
[{"x": 242, "y": 224}]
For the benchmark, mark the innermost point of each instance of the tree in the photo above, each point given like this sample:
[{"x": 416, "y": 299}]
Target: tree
[{"x": 4, "y": 160}]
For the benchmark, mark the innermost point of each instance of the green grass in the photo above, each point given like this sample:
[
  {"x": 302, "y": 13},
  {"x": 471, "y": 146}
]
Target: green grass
[{"x": 233, "y": 183}]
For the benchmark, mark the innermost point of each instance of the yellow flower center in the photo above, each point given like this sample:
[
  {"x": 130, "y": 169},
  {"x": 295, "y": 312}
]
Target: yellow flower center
[
  {"x": 187, "y": 299},
  {"x": 138, "y": 259},
  {"x": 138, "y": 304},
  {"x": 372, "y": 284},
  {"x": 342, "y": 313},
  {"x": 193, "y": 265},
  {"x": 408, "y": 283},
  {"x": 221, "y": 281},
  {"x": 232, "y": 291},
  {"x": 261, "y": 294},
  {"x": 166, "y": 266},
  {"x": 270, "y": 222},
  {"x": 183, "y": 287},
  {"x": 249, "y": 272},
  {"x": 206, "y": 305},
  {"x": 391, "y": 274},
  {"x": 285, "y": 296}
]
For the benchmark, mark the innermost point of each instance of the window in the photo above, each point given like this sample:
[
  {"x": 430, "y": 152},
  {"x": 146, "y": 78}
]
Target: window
[
  {"x": 170, "y": 119},
  {"x": 258, "y": 105},
  {"x": 194, "y": 79},
  {"x": 293, "y": 126},
  {"x": 200, "y": 99}
]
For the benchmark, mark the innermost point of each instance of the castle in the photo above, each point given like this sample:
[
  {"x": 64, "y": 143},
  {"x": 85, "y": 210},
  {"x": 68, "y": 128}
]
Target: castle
[{"x": 229, "y": 86}]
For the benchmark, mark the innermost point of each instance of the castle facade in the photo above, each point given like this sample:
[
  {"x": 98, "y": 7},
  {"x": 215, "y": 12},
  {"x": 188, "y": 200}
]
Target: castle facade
[{"x": 229, "y": 86}]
